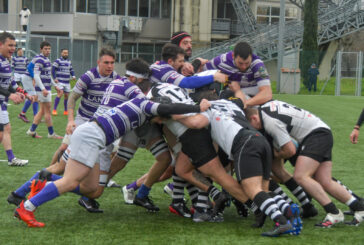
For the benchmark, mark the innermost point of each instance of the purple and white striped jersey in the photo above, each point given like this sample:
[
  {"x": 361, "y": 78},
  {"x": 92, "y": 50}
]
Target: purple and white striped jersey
[
  {"x": 250, "y": 80},
  {"x": 92, "y": 87},
  {"x": 19, "y": 64},
  {"x": 162, "y": 72},
  {"x": 43, "y": 66},
  {"x": 125, "y": 117},
  {"x": 118, "y": 92},
  {"x": 5, "y": 77},
  {"x": 63, "y": 70}
]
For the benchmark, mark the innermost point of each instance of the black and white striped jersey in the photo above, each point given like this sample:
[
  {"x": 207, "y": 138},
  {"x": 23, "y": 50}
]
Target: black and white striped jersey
[
  {"x": 177, "y": 95},
  {"x": 226, "y": 120},
  {"x": 282, "y": 121}
]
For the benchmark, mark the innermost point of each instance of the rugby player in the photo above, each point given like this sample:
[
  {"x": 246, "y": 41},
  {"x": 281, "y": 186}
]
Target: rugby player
[
  {"x": 313, "y": 166},
  {"x": 88, "y": 139},
  {"x": 251, "y": 154},
  {"x": 62, "y": 72},
  {"x": 43, "y": 81},
  {"x": 91, "y": 86},
  {"x": 8, "y": 90}
]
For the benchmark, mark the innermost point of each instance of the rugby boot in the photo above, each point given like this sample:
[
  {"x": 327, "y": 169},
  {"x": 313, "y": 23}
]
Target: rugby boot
[
  {"x": 206, "y": 215},
  {"x": 146, "y": 203},
  {"x": 331, "y": 219},
  {"x": 55, "y": 136},
  {"x": 91, "y": 205},
  {"x": 358, "y": 218},
  {"x": 241, "y": 209},
  {"x": 27, "y": 216},
  {"x": 279, "y": 229},
  {"x": 24, "y": 118},
  {"x": 180, "y": 209},
  {"x": 13, "y": 198},
  {"x": 33, "y": 134},
  {"x": 17, "y": 162},
  {"x": 259, "y": 219},
  {"x": 351, "y": 212},
  {"x": 220, "y": 203},
  {"x": 129, "y": 195},
  {"x": 296, "y": 220}
]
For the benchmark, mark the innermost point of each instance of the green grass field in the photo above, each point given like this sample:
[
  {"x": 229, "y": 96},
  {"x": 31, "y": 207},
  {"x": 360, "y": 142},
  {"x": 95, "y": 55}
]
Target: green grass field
[{"x": 68, "y": 223}]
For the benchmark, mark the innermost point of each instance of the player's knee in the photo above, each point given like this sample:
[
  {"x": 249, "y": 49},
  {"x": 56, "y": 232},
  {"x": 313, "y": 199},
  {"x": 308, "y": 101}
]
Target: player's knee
[
  {"x": 89, "y": 190},
  {"x": 96, "y": 194},
  {"x": 180, "y": 171},
  {"x": 299, "y": 177},
  {"x": 324, "y": 182}
]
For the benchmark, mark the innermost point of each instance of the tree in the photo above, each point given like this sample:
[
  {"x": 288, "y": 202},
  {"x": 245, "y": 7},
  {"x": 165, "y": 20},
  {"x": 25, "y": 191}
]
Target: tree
[{"x": 310, "y": 52}]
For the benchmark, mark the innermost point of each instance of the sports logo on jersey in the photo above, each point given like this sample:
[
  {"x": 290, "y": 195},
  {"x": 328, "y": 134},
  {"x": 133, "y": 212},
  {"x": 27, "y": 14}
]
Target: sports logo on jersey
[
  {"x": 272, "y": 106},
  {"x": 96, "y": 99},
  {"x": 263, "y": 73},
  {"x": 174, "y": 76},
  {"x": 112, "y": 111},
  {"x": 217, "y": 118}
]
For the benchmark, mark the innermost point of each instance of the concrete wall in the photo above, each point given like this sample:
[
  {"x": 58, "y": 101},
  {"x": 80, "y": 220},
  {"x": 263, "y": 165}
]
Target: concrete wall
[
  {"x": 204, "y": 21},
  {"x": 51, "y": 23},
  {"x": 4, "y": 22},
  {"x": 85, "y": 26},
  {"x": 194, "y": 17},
  {"x": 156, "y": 28}
]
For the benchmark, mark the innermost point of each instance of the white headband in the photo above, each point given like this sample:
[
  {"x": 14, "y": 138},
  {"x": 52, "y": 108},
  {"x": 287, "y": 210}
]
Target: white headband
[{"x": 137, "y": 75}]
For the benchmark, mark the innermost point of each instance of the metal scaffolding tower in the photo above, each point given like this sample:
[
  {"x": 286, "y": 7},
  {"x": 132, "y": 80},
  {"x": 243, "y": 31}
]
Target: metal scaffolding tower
[{"x": 245, "y": 15}]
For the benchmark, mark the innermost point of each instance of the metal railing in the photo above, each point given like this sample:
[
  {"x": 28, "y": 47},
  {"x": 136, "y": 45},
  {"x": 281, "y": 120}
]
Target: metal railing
[{"x": 342, "y": 19}]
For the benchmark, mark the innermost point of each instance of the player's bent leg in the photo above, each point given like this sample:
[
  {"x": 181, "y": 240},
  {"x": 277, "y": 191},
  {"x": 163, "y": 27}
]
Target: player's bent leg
[
  {"x": 215, "y": 170},
  {"x": 57, "y": 168},
  {"x": 184, "y": 169},
  {"x": 305, "y": 168},
  {"x": 88, "y": 201},
  {"x": 75, "y": 172},
  {"x": 125, "y": 152},
  {"x": 323, "y": 176},
  {"x": 158, "y": 168}
]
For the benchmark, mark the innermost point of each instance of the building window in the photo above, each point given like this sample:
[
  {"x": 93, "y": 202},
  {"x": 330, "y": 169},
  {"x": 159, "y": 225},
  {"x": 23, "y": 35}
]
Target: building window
[
  {"x": 166, "y": 8},
  {"x": 143, "y": 8},
  {"x": 133, "y": 8},
  {"x": 92, "y": 6},
  {"x": 149, "y": 8},
  {"x": 28, "y": 4},
  {"x": 81, "y": 6},
  {"x": 224, "y": 10},
  {"x": 48, "y": 6},
  {"x": 268, "y": 15},
  {"x": 150, "y": 52},
  {"x": 3, "y": 6},
  {"x": 118, "y": 7},
  {"x": 155, "y": 8},
  {"x": 38, "y": 8}
]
